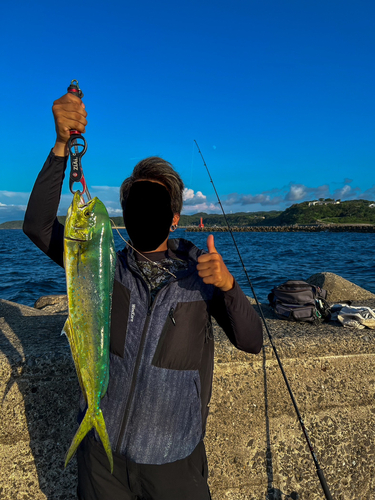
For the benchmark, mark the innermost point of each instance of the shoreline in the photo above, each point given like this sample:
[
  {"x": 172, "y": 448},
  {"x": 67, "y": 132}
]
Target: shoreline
[
  {"x": 331, "y": 228},
  {"x": 296, "y": 228}
]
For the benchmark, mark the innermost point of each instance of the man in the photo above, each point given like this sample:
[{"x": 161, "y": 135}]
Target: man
[{"x": 161, "y": 361}]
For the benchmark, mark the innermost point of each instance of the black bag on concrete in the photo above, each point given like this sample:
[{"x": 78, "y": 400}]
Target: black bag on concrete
[{"x": 299, "y": 301}]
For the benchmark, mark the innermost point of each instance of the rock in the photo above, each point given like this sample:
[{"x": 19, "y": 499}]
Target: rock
[
  {"x": 339, "y": 289},
  {"x": 52, "y": 303}
]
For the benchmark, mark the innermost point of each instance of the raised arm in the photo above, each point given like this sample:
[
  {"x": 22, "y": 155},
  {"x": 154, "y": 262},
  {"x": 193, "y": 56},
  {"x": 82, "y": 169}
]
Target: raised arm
[{"x": 40, "y": 223}]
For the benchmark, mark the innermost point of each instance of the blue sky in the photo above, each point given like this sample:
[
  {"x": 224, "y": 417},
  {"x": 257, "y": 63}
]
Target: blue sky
[{"x": 278, "y": 94}]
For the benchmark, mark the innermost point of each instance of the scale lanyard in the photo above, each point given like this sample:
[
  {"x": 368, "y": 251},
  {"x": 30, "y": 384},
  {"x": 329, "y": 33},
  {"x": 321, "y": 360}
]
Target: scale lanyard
[{"x": 77, "y": 147}]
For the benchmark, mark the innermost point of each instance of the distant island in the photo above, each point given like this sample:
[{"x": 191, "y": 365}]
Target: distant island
[{"x": 318, "y": 212}]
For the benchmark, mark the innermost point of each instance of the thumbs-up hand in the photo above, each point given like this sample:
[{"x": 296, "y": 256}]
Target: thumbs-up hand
[{"x": 212, "y": 270}]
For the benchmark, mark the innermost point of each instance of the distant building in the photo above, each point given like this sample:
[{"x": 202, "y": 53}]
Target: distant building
[
  {"x": 372, "y": 205},
  {"x": 324, "y": 202}
]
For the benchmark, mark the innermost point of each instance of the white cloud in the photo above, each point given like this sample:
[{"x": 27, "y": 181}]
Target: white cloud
[
  {"x": 344, "y": 192},
  {"x": 262, "y": 199},
  {"x": 13, "y": 194},
  {"x": 114, "y": 211},
  {"x": 281, "y": 198},
  {"x": 249, "y": 199},
  {"x": 12, "y": 207},
  {"x": 297, "y": 192},
  {"x": 11, "y": 212},
  {"x": 196, "y": 201},
  {"x": 200, "y": 207},
  {"x": 369, "y": 194},
  {"x": 115, "y": 189},
  {"x": 191, "y": 198},
  {"x": 17, "y": 198}
]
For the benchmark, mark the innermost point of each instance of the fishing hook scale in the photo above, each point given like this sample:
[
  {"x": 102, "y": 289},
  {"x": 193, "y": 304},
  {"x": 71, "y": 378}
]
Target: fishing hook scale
[
  {"x": 77, "y": 147},
  {"x": 319, "y": 471}
]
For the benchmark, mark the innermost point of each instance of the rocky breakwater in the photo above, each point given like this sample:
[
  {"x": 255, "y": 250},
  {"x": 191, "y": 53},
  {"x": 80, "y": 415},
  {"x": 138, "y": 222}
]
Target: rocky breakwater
[
  {"x": 255, "y": 445},
  {"x": 296, "y": 228}
]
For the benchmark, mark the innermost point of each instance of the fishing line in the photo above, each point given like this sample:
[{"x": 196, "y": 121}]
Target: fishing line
[
  {"x": 191, "y": 166},
  {"x": 318, "y": 469},
  {"x": 140, "y": 253}
]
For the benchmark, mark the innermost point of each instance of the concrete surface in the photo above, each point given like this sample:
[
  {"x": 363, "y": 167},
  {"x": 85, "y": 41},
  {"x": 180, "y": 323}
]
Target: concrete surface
[{"x": 255, "y": 446}]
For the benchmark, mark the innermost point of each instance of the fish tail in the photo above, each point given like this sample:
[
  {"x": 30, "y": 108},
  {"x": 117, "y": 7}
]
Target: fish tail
[
  {"x": 102, "y": 431},
  {"x": 86, "y": 425},
  {"x": 91, "y": 420}
]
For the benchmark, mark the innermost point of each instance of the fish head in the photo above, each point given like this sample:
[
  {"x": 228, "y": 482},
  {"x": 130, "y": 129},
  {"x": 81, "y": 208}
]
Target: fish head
[{"x": 83, "y": 219}]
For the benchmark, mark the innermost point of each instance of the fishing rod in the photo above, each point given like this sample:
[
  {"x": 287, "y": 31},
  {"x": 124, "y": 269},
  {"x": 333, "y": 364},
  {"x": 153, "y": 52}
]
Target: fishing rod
[
  {"x": 77, "y": 147},
  {"x": 319, "y": 471}
]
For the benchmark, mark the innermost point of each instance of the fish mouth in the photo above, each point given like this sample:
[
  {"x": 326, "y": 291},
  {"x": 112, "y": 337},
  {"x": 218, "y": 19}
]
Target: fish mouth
[{"x": 82, "y": 205}]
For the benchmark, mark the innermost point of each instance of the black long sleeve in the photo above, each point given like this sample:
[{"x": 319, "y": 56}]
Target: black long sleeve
[
  {"x": 239, "y": 320},
  {"x": 41, "y": 224}
]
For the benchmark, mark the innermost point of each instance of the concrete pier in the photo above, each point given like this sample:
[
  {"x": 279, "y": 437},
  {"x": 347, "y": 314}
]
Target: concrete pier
[{"x": 255, "y": 446}]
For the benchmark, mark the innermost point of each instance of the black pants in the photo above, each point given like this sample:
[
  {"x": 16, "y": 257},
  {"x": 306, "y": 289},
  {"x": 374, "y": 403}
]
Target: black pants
[{"x": 181, "y": 480}]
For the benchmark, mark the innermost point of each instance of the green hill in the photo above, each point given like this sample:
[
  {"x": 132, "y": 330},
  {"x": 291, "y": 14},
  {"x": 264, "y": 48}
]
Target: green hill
[
  {"x": 236, "y": 219},
  {"x": 14, "y": 224},
  {"x": 322, "y": 212},
  {"x": 346, "y": 212}
]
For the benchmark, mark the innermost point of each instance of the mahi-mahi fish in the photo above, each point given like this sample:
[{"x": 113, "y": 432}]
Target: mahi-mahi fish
[{"x": 89, "y": 260}]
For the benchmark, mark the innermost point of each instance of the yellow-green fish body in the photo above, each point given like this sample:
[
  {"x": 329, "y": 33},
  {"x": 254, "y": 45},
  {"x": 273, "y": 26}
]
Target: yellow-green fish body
[{"x": 89, "y": 260}]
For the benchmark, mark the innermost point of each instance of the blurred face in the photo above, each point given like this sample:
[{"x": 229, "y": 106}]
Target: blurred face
[{"x": 148, "y": 215}]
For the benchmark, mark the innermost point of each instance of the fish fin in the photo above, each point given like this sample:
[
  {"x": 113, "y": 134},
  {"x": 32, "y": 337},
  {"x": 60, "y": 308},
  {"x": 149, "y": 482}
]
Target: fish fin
[
  {"x": 69, "y": 332},
  {"x": 83, "y": 429},
  {"x": 100, "y": 427},
  {"x": 91, "y": 420}
]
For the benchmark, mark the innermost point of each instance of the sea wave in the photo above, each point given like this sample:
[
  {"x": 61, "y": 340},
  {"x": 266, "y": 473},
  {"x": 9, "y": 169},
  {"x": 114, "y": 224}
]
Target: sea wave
[{"x": 270, "y": 259}]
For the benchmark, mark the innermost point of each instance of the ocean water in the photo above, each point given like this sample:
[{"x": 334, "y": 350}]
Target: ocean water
[{"x": 270, "y": 259}]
